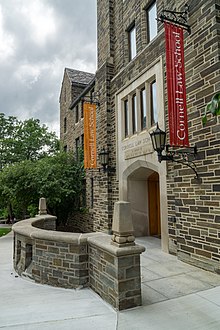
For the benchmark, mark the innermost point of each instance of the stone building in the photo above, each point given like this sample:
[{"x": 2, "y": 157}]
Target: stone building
[
  {"x": 166, "y": 200},
  {"x": 74, "y": 82}
]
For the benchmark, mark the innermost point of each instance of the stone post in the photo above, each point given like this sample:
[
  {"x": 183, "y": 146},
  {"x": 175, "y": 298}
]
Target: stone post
[
  {"x": 42, "y": 206},
  {"x": 122, "y": 225},
  {"x": 114, "y": 262}
]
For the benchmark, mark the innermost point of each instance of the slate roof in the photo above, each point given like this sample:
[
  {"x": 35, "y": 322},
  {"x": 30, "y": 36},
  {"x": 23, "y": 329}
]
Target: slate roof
[{"x": 79, "y": 77}]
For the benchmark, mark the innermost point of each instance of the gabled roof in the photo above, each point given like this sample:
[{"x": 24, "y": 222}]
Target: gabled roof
[{"x": 79, "y": 77}]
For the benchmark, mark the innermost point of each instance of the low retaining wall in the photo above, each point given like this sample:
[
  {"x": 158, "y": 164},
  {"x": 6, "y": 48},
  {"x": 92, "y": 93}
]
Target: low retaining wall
[
  {"x": 114, "y": 273},
  {"x": 74, "y": 260}
]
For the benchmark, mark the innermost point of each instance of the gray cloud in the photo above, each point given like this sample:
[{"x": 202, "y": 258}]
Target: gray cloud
[{"x": 38, "y": 39}]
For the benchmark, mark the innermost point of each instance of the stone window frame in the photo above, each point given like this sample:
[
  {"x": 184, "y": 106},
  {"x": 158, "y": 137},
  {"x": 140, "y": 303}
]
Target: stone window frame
[
  {"x": 147, "y": 85},
  {"x": 147, "y": 9}
]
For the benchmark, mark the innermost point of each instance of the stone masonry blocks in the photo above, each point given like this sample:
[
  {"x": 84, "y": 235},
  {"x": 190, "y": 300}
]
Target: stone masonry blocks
[{"x": 77, "y": 260}]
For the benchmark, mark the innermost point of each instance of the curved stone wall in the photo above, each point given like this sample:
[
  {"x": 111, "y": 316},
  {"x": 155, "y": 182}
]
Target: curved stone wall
[
  {"x": 74, "y": 260},
  {"x": 48, "y": 256}
]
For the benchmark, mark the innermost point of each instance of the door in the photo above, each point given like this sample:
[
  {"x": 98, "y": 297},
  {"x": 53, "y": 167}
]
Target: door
[{"x": 154, "y": 205}]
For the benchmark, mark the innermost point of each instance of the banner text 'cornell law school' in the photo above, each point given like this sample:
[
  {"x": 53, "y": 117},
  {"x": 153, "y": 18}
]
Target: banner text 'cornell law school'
[
  {"x": 89, "y": 135},
  {"x": 176, "y": 86}
]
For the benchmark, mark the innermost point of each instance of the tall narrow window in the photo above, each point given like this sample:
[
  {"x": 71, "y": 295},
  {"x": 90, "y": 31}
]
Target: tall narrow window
[
  {"x": 77, "y": 148},
  {"x": 134, "y": 113},
  {"x": 82, "y": 112},
  {"x": 151, "y": 21},
  {"x": 92, "y": 193},
  {"x": 143, "y": 109},
  {"x": 126, "y": 117},
  {"x": 77, "y": 113},
  {"x": 83, "y": 194},
  {"x": 82, "y": 142},
  {"x": 132, "y": 42},
  {"x": 65, "y": 148},
  {"x": 64, "y": 125},
  {"x": 153, "y": 94}
]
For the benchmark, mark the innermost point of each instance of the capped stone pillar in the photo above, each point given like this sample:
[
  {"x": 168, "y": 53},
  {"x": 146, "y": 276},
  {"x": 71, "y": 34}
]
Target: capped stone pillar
[
  {"x": 42, "y": 206},
  {"x": 122, "y": 225}
]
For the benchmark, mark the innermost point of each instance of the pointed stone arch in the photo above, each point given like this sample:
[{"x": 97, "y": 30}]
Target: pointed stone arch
[{"x": 134, "y": 188}]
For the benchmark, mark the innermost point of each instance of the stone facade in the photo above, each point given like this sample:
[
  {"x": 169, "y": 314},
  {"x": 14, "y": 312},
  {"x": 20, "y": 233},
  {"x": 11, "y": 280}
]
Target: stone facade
[
  {"x": 189, "y": 211},
  {"x": 74, "y": 82},
  {"x": 195, "y": 208}
]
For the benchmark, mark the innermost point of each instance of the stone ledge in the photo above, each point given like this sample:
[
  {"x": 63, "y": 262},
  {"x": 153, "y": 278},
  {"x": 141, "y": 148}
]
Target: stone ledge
[
  {"x": 104, "y": 243},
  {"x": 27, "y": 228}
]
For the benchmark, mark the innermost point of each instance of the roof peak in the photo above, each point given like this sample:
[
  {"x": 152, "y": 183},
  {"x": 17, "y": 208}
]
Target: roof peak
[{"x": 78, "y": 76}]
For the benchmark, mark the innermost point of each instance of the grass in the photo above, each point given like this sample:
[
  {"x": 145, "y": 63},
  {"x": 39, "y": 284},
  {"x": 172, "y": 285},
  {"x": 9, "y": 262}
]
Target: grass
[{"x": 4, "y": 231}]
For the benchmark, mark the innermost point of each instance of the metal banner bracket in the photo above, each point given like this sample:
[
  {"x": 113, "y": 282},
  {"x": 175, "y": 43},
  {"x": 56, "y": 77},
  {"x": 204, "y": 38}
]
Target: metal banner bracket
[{"x": 176, "y": 17}]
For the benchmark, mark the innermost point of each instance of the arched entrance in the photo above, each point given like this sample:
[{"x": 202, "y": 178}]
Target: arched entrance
[{"x": 144, "y": 196}]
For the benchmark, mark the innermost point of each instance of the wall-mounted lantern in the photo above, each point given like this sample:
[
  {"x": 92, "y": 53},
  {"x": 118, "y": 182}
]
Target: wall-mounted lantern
[
  {"x": 104, "y": 160},
  {"x": 184, "y": 156}
]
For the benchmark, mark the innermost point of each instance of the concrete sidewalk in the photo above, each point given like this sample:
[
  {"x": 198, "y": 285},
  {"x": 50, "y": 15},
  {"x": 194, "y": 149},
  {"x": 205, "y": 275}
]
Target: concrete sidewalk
[{"x": 175, "y": 295}]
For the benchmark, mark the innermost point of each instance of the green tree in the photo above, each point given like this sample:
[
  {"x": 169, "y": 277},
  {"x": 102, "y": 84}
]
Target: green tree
[
  {"x": 17, "y": 187},
  {"x": 24, "y": 140},
  {"x": 58, "y": 178},
  {"x": 60, "y": 181}
]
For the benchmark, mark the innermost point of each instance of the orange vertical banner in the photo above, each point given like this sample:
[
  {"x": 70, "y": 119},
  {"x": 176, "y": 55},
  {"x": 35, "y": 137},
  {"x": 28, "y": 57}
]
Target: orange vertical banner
[{"x": 89, "y": 135}]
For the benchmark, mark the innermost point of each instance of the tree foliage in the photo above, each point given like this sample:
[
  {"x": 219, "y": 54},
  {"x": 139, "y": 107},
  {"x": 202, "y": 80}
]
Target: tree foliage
[
  {"x": 213, "y": 107},
  {"x": 24, "y": 140},
  {"x": 31, "y": 167},
  {"x": 57, "y": 178}
]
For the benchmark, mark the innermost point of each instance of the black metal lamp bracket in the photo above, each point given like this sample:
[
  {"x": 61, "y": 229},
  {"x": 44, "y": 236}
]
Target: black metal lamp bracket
[
  {"x": 107, "y": 169},
  {"x": 183, "y": 157}
]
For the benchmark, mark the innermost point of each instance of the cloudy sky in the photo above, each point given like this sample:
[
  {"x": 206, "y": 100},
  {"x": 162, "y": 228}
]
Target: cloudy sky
[{"x": 38, "y": 39}]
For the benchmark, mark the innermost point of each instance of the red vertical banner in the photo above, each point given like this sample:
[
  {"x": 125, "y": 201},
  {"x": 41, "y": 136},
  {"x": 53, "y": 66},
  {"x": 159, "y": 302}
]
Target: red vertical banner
[
  {"x": 176, "y": 86},
  {"x": 89, "y": 135}
]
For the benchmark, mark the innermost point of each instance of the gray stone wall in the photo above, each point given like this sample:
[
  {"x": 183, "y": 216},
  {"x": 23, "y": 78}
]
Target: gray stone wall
[
  {"x": 115, "y": 278},
  {"x": 80, "y": 222},
  {"x": 60, "y": 264},
  {"x": 65, "y": 101},
  {"x": 105, "y": 30},
  {"x": 77, "y": 260}
]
